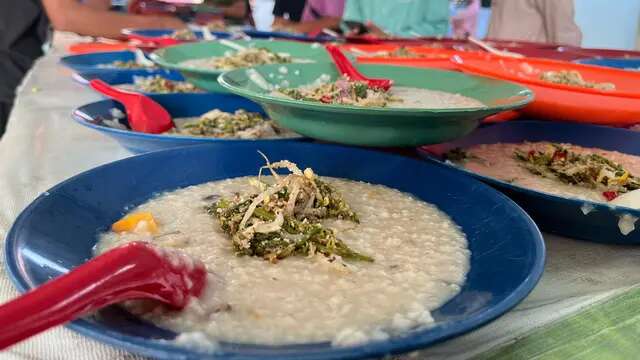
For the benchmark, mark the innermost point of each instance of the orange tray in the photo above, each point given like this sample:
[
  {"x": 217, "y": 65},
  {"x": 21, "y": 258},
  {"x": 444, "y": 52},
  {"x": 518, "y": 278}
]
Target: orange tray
[
  {"x": 619, "y": 107},
  {"x": 433, "y": 57},
  {"x": 93, "y": 47}
]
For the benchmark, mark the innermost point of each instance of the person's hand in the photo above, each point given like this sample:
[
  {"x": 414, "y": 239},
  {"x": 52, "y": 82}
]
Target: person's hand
[{"x": 282, "y": 24}]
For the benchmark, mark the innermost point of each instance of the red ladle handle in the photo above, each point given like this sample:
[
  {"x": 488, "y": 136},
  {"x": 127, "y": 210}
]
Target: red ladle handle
[
  {"x": 134, "y": 271},
  {"x": 347, "y": 69},
  {"x": 111, "y": 91}
]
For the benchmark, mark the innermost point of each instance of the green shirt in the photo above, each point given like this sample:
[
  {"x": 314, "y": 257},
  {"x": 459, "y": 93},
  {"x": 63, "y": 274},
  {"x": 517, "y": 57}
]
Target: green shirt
[{"x": 402, "y": 17}]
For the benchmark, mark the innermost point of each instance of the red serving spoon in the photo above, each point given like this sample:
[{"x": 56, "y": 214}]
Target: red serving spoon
[
  {"x": 137, "y": 270},
  {"x": 347, "y": 69},
  {"x": 143, "y": 113}
]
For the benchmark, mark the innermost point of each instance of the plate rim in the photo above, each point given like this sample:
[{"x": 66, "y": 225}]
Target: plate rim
[{"x": 163, "y": 349}]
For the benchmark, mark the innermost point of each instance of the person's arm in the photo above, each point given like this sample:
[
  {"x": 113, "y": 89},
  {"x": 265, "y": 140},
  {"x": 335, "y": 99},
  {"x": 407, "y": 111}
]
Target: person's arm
[
  {"x": 319, "y": 24},
  {"x": 318, "y": 15},
  {"x": 98, "y": 4},
  {"x": 559, "y": 22},
  {"x": 71, "y": 15}
]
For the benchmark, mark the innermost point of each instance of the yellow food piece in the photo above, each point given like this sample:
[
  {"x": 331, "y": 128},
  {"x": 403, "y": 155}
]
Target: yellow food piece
[
  {"x": 136, "y": 222},
  {"x": 624, "y": 177}
]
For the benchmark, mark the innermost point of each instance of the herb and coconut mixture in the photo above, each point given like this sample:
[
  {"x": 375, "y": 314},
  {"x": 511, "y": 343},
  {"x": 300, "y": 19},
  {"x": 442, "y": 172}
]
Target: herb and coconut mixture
[
  {"x": 247, "y": 57},
  {"x": 160, "y": 85},
  {"x": 220, "y": 124},
  {"x": 560, "y": 169},
  {"x": 297, "y": 258},
  {"x": 358, "y": 93},
  {"x": 574, "y": 78}
]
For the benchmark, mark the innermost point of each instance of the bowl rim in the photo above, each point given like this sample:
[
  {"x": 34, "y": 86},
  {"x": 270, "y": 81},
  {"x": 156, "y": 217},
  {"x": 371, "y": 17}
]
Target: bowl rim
[
  {"x": 166, "y": 350},
  {"x": 526, "y": 96},
  {"x": 159, "y": 58}
]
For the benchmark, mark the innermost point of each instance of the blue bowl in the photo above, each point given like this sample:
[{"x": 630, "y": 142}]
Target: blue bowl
[
  {"x": 92, "y": 62},
  {"x": 552, "y": 213},
  {"x": 632, "y": 64},
  {"x": 119, "y": 77},
  {"x": 58, "y": 230},
  {"x": 178, "y": 105},
  {"x": 258, "y": 34},
  {"x": 169, "y": 32}
]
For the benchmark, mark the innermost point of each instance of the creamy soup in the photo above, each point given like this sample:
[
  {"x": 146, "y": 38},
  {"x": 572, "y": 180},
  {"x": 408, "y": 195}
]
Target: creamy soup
[
  {"x": 348, "y": 92},
  {"x": 562, "y": 169},
  {"x": 411, "y": 258}
]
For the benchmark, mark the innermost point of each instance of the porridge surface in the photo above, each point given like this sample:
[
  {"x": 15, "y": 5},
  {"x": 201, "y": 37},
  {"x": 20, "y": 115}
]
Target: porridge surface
[
  {"x": 497, "y": 161},
  {"x": 421, "y": 260}
]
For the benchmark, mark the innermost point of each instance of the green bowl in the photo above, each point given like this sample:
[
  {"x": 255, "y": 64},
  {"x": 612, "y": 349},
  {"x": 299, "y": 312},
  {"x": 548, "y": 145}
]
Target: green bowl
[
  {"x": 171, "y": 57},
  {"x": 369, "y": 126}
]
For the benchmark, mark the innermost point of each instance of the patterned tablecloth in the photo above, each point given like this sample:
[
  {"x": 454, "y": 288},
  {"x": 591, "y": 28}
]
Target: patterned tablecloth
[{"x": 43, "y": 146}]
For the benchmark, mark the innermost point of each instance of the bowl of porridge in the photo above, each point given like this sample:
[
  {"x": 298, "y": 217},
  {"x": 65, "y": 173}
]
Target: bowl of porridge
[
  {"x": 199, "y": 118},
  {"x": 574, "y": 180},
  {"x": 161, "y": 82},
  {"x": 113, "y": 61},
  {"x": 424, "y": 106},
  {"x": 312, "y": 251},
  {"x": 202, "y": 63}
]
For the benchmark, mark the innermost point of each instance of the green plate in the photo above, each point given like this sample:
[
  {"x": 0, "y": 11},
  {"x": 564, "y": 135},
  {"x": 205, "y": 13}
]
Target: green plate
[
  {"x": 171, "y": 57},
  {"x": 376, "y": 126}
]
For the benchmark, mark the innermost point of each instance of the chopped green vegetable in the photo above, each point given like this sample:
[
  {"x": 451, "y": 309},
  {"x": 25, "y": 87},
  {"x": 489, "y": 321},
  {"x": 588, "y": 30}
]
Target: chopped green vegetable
[{"x": 284, "y": 218}]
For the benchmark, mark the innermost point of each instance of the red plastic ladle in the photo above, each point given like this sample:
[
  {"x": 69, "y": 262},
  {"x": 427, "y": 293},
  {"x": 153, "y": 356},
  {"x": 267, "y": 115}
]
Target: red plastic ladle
[
  {"x": 136, "y": 270},
  {"x": 347, "y": 69},
  {"x": 143, "y": 113}
]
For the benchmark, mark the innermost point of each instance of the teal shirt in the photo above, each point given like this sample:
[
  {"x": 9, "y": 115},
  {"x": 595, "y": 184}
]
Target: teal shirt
[{"x": 402, "y": 17}]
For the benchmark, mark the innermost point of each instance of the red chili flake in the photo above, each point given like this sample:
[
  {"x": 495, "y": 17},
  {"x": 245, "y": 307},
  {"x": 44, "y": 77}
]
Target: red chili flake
[
  {"x": 610, "y": 195},
  {"x": 326, "y": 99},
  {"x": 531, "y": 153},
  {"x": 559, "y": 155}
]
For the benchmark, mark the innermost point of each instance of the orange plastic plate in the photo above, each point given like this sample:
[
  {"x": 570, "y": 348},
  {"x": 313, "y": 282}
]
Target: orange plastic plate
[
  {"x": 93, "y": 47},
  {"x": 432, "y": 57},
  {"x": 619, "y": 107}
]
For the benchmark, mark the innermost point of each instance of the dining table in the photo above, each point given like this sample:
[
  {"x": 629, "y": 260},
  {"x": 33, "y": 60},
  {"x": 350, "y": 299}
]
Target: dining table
[{"x": 586, "y": 305}]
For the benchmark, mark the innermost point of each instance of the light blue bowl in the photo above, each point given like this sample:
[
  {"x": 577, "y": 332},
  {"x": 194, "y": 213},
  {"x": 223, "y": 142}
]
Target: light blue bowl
[{"x": 58, "y": 231}]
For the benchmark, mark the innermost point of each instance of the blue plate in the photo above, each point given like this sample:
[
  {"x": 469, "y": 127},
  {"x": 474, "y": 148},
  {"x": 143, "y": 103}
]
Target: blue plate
[
  {"x": 92, "y": 62},
  {"x": 507, "y": 248},
  {"x": 169, "y": 32},
  {"x": 178, "y": 105},
  {"x": 119, "y": 77},
  {"x": 552, "y": 213},
  {"x": 632, "y": 64},
  {"x": 258, "y": 34}
]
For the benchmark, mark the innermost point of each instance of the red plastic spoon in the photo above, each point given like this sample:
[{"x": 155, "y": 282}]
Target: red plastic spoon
[
  {"x": 347, "y": 69},
  {"x": 137, "y": 270},
  {"x": 144, "y": 114}
]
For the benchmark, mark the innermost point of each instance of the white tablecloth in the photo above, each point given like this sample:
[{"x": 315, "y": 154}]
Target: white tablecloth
[{"x": 43, "y": 146}]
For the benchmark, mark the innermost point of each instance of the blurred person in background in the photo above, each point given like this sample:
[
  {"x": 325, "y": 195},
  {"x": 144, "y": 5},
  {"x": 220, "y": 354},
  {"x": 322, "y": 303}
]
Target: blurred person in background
[
  {"x": 287, "y": 11},
  {"x": 544, "y": 21},
  {"x": 465, "y": 19},
  {"x": 400, "y": 17},
  {"x": 316, "y": 15},
  {"x": 25, "y": 28}
]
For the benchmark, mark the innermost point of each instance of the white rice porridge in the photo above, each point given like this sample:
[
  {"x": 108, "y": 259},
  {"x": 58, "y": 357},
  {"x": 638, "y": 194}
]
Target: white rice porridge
[{"x": 420, "y": 261}]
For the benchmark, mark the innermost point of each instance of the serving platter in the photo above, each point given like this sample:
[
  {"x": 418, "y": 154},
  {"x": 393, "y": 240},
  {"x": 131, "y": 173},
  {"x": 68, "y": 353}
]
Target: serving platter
[
  {"x": 93, "y": 115},
  {"x": 504, "y": 243},
  {"x": 555, "y": 214},
  {"x": 618, "y": 107}
]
